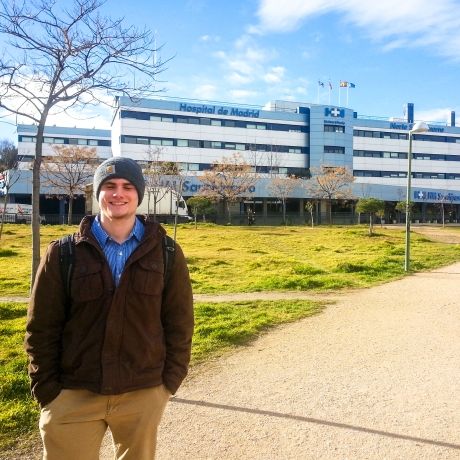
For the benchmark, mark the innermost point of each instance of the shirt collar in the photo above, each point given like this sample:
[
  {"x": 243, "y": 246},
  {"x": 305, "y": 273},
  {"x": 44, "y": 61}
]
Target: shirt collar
[{"x": 102, "y": 236}]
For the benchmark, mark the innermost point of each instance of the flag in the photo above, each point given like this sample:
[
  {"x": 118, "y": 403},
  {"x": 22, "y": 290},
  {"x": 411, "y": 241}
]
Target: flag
[
  {"x": 351, "y": 85},
  {"x": 320, "y": 83},
  {"x": 330, "y": 86},
  {"x": 343, "y": 84}
]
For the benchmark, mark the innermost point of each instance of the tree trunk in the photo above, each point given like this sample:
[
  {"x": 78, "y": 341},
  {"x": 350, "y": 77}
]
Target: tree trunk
[
  {"x": 330, "y": 211},
  {"x": 4, "y": 210},
  {"x": 70, "y": 210},
  {"x": 284, "y": 212},
  {"x": 3, "y": 213},
  {"x": 36, "y": 198},
  {"x": 229, "y": 212}
]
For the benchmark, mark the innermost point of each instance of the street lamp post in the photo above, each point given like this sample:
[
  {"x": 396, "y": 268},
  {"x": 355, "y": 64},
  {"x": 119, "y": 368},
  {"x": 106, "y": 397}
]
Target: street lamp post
[{"x": 419, "y": 127}]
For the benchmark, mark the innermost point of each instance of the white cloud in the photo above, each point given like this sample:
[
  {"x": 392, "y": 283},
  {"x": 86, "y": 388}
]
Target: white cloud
[
  {"x": 210, "y": 38},
  {"x": 205, "y": 91},
  {"x": 275, "y": 74},
  {"x": 395, "y": 23},
  {"x": 441, "y": 115},
  {"x": 93, "y": 110},
  {"x": 237, "y": 78},
  {"x": 247, "y": 62}
]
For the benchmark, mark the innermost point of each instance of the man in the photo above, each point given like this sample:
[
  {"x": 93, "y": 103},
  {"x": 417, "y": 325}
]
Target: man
[{"x": 114, "y": 353}]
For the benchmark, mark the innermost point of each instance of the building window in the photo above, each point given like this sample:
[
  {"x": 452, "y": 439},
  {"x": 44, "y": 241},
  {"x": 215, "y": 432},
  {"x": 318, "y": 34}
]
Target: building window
[
  {"x": 334, "y": 129},
  {"x": 28, "y": 139},
  {"x": 194, "y": 143},
  {"x": 334, "y": 149}
]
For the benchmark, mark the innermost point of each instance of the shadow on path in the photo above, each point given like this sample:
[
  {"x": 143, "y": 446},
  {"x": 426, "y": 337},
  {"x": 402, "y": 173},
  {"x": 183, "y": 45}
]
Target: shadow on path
[{"x": 316, "y": 421}]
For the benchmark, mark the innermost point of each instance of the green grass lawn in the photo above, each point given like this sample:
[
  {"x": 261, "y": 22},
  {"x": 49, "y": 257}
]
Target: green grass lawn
[
  {"x": 221, "y": 260},
  {"x": 246, "y": 259}
]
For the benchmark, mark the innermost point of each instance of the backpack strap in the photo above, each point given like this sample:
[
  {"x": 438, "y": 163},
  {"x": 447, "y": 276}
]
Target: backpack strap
[
  {"x": 66, "y": 263},
  {"x": 169, "y": 251}
]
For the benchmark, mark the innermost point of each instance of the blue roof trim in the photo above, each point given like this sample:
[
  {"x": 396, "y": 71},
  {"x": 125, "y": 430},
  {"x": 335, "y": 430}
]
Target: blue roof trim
[{"x": 66, "y": 131}]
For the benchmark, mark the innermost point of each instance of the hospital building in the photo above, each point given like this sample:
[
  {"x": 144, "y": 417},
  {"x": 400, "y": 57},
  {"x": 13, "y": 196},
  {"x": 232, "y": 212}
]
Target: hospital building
[{"x": 282, "y": 138}]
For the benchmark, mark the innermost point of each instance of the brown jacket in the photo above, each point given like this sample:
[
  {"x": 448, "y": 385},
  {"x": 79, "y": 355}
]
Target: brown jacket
[{"x": 112, "y": 339}]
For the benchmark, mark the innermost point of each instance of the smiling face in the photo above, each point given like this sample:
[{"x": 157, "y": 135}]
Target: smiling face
[{"x": 118, "y": 199}]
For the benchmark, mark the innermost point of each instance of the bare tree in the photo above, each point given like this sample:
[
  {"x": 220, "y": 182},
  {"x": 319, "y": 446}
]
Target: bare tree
[
  {"x": 282, "y": 187},
  {"x": 443, "y": 200},
  {"x": 68, "y": 171},
  {"x": 268, "y": 160},
  {"x": 331, "y": 183},
  {"x": 8, "y": 172},
  {"x": 310, "y": 207},
  {"x": 71, "y": 56},
  {"x": 153, "y": 173},
  {"x": 229, "y": 180},
  {"x": 174, "y": 180}
]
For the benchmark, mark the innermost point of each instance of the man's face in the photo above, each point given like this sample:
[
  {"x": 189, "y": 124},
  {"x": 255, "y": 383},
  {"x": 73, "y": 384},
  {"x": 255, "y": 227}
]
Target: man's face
[{"x": 118, "y": 199}]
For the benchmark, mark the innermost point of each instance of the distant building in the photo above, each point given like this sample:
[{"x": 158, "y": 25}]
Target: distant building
[
  {"x": 21, "y": 192},
  {"x": 282, "y": 138}
]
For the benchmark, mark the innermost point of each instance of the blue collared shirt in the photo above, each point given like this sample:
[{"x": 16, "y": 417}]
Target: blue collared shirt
[{"x": 117, "y": 254}]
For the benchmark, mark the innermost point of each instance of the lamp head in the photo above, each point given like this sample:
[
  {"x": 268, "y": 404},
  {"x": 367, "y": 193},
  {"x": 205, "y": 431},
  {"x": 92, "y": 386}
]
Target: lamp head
[{"x": 419, "y": 127}]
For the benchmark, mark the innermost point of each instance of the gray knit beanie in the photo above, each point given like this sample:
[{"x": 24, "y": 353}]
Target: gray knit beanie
[{"x": 123, "y": 168}]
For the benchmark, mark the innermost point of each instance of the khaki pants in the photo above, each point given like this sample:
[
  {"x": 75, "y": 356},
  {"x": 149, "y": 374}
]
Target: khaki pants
[{"x": 73, "y": 425}]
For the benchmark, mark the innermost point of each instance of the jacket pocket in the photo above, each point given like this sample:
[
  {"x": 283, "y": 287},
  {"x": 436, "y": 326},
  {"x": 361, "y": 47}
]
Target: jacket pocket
[
  {"x": 87, "y": 283},
  {"x": 147, "y": 277}
]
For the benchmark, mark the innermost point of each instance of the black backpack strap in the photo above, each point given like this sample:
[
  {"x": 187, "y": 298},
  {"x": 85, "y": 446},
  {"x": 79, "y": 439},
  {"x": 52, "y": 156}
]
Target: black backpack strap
[
  {"x": 169, "y": 251},
  {"x": 66, "y": 263}
]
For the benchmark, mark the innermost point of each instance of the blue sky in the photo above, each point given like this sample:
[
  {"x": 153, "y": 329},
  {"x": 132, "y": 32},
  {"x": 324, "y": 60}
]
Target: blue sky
[{"x": 255, "y": 51}]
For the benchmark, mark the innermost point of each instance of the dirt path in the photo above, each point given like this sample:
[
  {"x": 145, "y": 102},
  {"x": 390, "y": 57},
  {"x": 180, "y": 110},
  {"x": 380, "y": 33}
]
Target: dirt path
[{"x": 376, "y": 376}]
